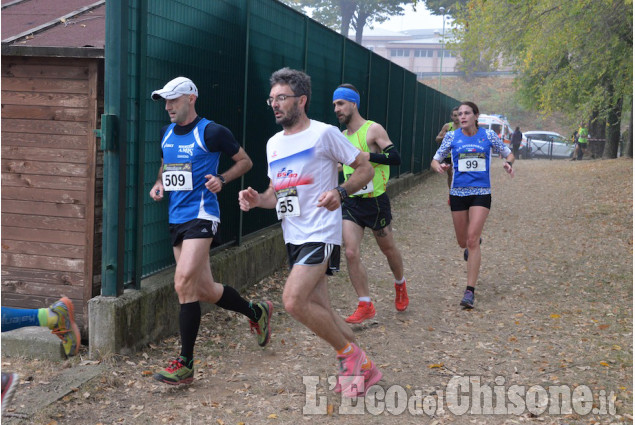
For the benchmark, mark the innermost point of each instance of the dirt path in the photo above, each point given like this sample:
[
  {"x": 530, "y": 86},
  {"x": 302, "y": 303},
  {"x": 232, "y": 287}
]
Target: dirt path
[{"x": 553, "y": 308}]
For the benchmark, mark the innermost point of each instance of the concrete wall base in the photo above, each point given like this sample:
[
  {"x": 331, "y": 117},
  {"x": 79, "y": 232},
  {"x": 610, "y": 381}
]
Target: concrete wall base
[
  {"x": 405, "y": 182},
  {"x": 32, "y": 342},
  {"x": 135, "y": 319}
]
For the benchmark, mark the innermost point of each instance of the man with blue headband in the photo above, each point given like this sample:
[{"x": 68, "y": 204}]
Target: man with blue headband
[{"x": 370, "y": 206}]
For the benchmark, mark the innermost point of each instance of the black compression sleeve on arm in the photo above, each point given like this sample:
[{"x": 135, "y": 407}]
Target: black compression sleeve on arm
[
  {"x": 219, "y": 138},
  {"x": 389, "y": 156}
]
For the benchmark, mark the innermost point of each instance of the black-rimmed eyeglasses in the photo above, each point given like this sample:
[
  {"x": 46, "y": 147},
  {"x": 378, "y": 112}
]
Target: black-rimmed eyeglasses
[{"x": 280, "y": 98}]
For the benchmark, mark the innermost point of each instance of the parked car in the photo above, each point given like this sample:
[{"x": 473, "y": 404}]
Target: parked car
[
  {"x": 548, "y": 144},
  {"x": 499, "y": 125},
  {"x": 524, "y": 152}
]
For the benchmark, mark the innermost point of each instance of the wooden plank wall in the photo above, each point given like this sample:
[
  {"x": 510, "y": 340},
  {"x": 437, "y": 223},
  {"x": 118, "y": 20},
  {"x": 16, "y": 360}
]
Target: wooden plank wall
[
  {"x": 49, "y": 111},
  {"x": 99, "y": 188}
]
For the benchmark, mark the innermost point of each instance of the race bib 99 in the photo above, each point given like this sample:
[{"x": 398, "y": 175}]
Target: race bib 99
[{"x": 472, "y": 161}]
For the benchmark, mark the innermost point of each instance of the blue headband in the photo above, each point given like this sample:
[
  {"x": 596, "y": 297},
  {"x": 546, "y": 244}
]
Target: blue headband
[{"x": 346, "y": 94}]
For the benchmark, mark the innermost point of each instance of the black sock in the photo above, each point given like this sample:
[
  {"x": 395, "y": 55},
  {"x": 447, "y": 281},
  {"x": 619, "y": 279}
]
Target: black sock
[
  {"x": 231, "y": 300},
  {"x": 470, "y": 288},
  {"x": 189, "y": 322}
]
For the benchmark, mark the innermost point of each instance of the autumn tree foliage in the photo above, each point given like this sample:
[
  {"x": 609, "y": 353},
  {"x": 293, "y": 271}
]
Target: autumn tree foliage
[
  {"x": 573, "y": 56},
  {"x": 344, "y": 15}
]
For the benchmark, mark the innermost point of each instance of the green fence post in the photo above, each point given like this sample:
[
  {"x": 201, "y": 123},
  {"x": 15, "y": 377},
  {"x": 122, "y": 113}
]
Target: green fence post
[
  {"x": 114, "y": 146},
  {"x": 368, "y": 82},
  {"x": 239, "y": 236},
  {"x": 414, "y": 129},
  {"x": 140, "y": 136},
  {"x": 403, "y": 109}
]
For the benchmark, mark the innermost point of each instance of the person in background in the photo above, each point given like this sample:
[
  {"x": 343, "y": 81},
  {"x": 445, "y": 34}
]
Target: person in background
[
  {"x": 470, "y": 195},
  {"x": 517, "y": 139},
  {"x": 449, "y": 126},
  {"x": 582, "y": 142}
]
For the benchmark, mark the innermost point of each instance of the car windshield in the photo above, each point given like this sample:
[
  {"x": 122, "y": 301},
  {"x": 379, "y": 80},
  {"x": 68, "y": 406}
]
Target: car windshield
[
  {"x": 559, "y": 139},
  {"x": 496, "y": 128}
]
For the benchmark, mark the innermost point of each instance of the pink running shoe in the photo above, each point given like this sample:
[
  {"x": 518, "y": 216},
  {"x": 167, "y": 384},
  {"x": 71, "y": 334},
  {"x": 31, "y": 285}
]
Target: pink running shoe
[
  {"x": 350, "y": 376},
  {"x": 371, "y": 377}
]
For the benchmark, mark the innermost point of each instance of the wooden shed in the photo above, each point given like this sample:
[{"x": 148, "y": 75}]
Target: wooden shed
[{"x": 52, "y": 99}]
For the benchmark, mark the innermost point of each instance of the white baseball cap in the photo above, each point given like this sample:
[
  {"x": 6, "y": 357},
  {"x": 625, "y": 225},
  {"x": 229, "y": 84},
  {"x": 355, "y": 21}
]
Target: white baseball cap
[{"x": 176, "y": 88}]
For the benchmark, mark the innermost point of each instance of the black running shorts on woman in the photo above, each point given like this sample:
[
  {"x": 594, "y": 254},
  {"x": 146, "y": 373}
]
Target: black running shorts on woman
[
  {"x": 193, "y": 229},
  {"x": 314, "y": 253},
  {"x": 373, "y": 213},
  {"x": 463, "y": 203}
]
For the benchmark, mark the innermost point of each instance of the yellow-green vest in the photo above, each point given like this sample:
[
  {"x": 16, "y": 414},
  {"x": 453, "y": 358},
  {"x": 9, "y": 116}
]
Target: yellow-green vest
[{"x": 382, "y": 171}]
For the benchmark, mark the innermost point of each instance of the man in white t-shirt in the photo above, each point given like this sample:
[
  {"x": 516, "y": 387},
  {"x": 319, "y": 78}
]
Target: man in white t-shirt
[{"x": 303, "y": 189}]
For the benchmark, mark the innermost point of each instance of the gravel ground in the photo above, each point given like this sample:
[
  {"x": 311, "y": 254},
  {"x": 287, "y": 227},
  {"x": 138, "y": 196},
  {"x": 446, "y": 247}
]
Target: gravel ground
[{"x": 553, "y": 310}]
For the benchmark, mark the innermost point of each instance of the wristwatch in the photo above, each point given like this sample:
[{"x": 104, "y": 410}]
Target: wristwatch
[
  {"x": 342, "y": 191},
  {"x": 222, "y": 179}
]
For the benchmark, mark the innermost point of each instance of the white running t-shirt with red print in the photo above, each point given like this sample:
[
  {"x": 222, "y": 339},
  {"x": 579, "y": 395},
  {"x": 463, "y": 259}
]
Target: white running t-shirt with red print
[{"x": 302, "y": 166}]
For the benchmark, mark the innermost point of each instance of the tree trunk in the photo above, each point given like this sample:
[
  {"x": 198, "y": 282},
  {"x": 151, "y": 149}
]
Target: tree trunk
[
  {"x": 362, "y": 16},
  {"x": 597, "y": 127},
  {"x": 597, "y": 130},
  {"x": 613, "y": 133},
  {"x": 628, "y": 143},
  {"x": 347, "y": 8}
]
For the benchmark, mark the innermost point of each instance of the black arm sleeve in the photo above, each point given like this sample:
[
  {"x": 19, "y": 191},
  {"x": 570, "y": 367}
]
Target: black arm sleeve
[
  {"x": 218, "y": 138},
  {"x": 389, "y": 156}
]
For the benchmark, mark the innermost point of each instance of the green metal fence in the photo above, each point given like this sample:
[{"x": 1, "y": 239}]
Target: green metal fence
[{"x": 229, "y": 48}]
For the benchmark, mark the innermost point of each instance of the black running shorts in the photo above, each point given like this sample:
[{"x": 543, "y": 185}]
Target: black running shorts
[
  {"x": 193, "y": 229},
  {"x": 373, "y": 213},
  {"x": 463, "y": 203},
  {"x": 314, "y": 253}
]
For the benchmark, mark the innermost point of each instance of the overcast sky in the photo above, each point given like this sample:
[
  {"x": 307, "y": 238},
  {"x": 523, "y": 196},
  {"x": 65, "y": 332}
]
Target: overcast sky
[{"x": 421, "y": 19}]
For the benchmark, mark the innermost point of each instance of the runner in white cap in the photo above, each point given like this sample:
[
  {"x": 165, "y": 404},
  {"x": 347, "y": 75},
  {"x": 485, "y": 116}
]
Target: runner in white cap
[{"x": 191, "y": 147}]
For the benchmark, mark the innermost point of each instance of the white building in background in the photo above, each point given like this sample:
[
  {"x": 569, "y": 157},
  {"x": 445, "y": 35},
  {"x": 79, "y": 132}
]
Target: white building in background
[{"x": 419, "y": 51}]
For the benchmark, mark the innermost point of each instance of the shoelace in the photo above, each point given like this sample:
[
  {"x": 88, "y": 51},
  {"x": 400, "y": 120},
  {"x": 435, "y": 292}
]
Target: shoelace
[
  {"x": 254, "y": 327},
  {"x": 174, "y": 365},
  {"x": 60, "y": 332},
  {"x": 358, "y": 313}
]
